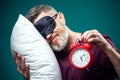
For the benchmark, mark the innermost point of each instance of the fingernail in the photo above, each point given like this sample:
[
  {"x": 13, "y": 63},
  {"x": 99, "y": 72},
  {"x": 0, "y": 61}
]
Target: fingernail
[{"x": 18, "y": 55}]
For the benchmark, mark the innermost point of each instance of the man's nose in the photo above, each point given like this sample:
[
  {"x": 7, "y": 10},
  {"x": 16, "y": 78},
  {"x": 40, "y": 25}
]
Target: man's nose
[{"x": 48, "y": 38}]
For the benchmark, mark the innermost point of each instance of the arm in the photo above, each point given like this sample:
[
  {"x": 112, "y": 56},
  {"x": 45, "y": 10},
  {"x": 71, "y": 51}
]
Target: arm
[
  {"x": 21, "y": 67},
  {"x": 114, "y": 57},
  {"x": 95, "y": 37}
]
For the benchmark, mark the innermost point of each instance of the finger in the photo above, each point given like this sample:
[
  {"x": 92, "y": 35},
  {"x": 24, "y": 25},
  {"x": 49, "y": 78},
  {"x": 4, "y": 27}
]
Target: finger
[
  {"x": 94, "y": 40},
  {"x": 88, "y": 34},
  {"x": 91, "y": 35},
  {"x": 84, "y": 35},
  {"x": 27, "y": 74},
  {"x": 19, "y": 63},
  {"x": 19, "y": 70},
  {"x": 23, "y": 66},
  {"x": 18, "y": 60}
]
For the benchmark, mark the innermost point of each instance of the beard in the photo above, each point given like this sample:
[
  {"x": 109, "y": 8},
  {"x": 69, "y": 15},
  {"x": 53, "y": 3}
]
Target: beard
[{"x": 62, "y": 42}]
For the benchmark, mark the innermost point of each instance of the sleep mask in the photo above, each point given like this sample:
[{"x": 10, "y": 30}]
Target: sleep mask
[{"x": 46, "y": 25}]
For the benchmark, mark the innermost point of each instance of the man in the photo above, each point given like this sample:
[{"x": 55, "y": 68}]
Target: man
[{"x": 106, "y": 63}]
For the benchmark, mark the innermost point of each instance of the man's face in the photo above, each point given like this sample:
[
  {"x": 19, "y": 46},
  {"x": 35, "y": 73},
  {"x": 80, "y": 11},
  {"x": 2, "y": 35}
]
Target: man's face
[{"x": 59, "y": 37}]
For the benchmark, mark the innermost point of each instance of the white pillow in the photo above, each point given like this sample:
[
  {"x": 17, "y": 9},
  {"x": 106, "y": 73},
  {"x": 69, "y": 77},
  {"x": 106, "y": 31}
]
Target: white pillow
[{"x": 28, "y": 42}]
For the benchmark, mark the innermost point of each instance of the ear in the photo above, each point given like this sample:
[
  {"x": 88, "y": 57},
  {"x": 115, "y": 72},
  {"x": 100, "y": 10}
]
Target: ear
[{"x": 61, "y": 17}]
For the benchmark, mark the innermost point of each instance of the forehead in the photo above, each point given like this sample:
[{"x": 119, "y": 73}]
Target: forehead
[{"x": 42, "y": 14}]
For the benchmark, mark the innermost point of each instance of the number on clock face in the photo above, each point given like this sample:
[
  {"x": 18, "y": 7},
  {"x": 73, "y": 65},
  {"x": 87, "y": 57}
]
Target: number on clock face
[{"x": 80, "y": 57}]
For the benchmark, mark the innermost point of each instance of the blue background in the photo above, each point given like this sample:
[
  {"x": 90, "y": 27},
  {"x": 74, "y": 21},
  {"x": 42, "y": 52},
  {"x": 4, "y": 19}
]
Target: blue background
[{"x": 80, "y": 15}]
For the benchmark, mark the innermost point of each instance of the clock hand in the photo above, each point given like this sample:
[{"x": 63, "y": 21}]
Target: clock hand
[{"x": 81, "y": 57}]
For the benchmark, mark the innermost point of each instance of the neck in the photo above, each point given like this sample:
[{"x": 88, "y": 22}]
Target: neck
[{"x": 73, "y": 36}]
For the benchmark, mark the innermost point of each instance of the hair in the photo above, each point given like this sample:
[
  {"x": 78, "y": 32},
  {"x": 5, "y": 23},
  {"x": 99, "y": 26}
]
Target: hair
[{"x": 35, "y": 11}]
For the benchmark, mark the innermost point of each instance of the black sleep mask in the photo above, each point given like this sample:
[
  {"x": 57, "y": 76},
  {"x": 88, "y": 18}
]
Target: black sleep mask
[{"x": 46, "y": 25}]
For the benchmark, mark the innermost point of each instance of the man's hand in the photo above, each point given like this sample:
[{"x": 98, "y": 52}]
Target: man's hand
[
  {"x": 95, "y": 37},
  {"x": 21, "y": 67}
]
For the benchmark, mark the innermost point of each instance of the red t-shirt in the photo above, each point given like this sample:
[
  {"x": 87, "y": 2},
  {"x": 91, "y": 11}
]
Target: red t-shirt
[{"x": 101, "y": 68}]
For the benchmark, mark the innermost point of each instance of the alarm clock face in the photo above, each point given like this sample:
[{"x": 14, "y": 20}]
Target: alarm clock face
[{"x": 80, "y": 58}]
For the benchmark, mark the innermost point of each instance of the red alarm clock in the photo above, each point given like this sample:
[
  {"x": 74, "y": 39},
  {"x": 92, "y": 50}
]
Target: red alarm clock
[{"x": 80, "y": 55}]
